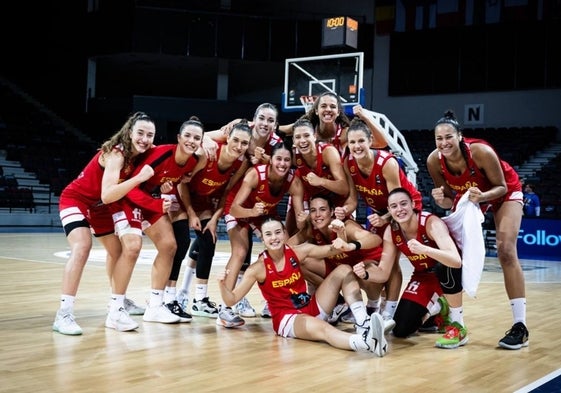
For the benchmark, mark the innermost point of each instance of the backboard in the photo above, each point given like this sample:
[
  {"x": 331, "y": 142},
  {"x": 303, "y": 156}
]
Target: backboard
[{"x": 341, "y": 74}]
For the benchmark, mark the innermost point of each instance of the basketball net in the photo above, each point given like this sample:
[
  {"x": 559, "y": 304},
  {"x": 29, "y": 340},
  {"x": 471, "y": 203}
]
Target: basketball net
[{"x": 308, "y": 102}]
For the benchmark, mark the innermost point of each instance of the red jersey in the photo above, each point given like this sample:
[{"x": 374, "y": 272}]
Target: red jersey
[
  {"x": 87, "y": 186},
  {"x": 348, "y": 257},
  {"x": 374, "y": 189},
  {"x": 285, "y": 290},
  {"x": 423, "y": 286},
  {"x": 162, "y": 159},
  {"x": 322, "y": 170},
  {"x": 473, "y": 177},
  {"x": 421, "y": 263},
  {"x": 262, "y": 193},
  {"x": 208, "y": 185},
  {"x": 336, "y": 140},
  {"x": 271, "y": 142}
]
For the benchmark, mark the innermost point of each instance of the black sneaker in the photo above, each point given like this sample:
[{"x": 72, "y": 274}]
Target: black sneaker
[
  {"x": 176, "y": 309},
  {"x": 516, "y": 337}
]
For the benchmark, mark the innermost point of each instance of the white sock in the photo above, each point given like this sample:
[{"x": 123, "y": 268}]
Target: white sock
[
  {"x": 390, "y": 307},
  {"x": 200, "y": 291},
  {"x": 169, "y": 294},
  {"x": 457, "y": 315},
  {"x": 359, "y": 312},
  {"x": 67, "y": 303},
  {"x": 518, "y": 306},
  {"x": 156, "y": 298},
  {"x": 117, "y": 302},
  {"x": 187, "y": 278}
]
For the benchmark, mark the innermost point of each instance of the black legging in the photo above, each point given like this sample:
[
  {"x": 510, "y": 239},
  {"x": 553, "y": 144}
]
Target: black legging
[
  {"x": 183, "y": 239},
  {"x": 202, "y": 251},
  {"x": 408, "y": 318}
]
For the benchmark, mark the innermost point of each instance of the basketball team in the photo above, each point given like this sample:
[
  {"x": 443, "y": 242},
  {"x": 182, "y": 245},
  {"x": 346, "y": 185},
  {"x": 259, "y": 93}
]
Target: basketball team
[{"x": 296, "y": 188}]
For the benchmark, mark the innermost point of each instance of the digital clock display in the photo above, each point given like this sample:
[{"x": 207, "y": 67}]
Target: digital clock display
[{"x": 339, "y": 31}]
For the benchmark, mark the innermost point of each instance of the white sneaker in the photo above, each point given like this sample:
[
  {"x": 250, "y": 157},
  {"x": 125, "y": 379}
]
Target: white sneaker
[
  {"x": 375, "y": 336},
  {"x": 120, "y": 320},
  {"x": 348, "y": 317},
  {"x": 132, "y": 308},
  {"x": 65, "y": 324},
  {"x": 266, "y": 313},
  {"x": 338, "y": 310},
  {"x": 363, "y": 329},
  {"x": 244, "y": 309},
  {"x": 228, "y": 319},
  {"x": 389, "y": 323},
  {"x": 204, "y": 308},
  {"x": 159, "y": 314}
]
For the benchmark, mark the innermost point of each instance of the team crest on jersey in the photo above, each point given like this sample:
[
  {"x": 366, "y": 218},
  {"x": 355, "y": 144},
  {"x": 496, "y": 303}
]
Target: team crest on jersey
[
  {"x": 378, "y": 180},
  {"x": 298, "y": 161},
  {"x": 425, "y": 239},
  {"x": 261, "y": 187},
  {"x": 352, "y": 169},
  {"x": 398, "y": 239},
  {"x": 269, "y": 268}
]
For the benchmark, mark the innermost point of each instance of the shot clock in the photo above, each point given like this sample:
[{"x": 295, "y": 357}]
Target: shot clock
[{"x": 339, "y": 31}]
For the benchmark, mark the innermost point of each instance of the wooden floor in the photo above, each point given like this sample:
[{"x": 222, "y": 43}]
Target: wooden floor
[{"x": 202, "y": 357}]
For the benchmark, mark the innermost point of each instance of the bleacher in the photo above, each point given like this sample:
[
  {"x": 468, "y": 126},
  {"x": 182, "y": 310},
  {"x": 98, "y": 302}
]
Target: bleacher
[
  {"x": 12, "y": 196},
  {"x": 40, "y": 152}
]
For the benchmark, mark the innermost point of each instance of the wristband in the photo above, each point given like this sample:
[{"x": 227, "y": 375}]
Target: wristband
[
  {"x": 366, "y": 276},
  {"x": 357, "y": 244}
]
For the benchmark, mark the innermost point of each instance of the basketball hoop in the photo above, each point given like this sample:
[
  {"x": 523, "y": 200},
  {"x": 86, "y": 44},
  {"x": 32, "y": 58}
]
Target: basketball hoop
[{"x": 308, "y": 102}]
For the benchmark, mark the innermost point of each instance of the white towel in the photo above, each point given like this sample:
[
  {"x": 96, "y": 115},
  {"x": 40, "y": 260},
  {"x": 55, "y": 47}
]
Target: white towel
[{"x": 464, "y": 225}]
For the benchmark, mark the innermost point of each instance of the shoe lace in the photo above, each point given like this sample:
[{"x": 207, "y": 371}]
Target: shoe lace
[
  {"x": 365, "y": 325},
  {"x": 68, "y": 318},
  {"x": 207, "y": 301},
  {"x": 515, "y": 331},
  {"x": 228, "y": 311}
]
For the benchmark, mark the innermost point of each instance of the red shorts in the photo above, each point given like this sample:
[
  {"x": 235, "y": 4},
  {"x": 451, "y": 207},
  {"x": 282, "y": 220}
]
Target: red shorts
[
  {"x": 72, "y": 211},
  {"x": 422, "y": 288},
  {"x": 283, "y": 320},
  {"x": 133, "y": 218}
]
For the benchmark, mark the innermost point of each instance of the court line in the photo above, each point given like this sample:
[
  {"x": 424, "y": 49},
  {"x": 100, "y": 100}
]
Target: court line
[{"x": 554, "y": 377}]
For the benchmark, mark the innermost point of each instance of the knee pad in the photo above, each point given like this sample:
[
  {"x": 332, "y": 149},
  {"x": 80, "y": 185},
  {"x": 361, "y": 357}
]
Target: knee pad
[
  {"x": 194, "y": 249},
  {"x": 205, "y": 256},
  {"x": 247, "y": 260},
  {"x": 450, "y": 278},
  {"x": 181, "y": 234}
]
